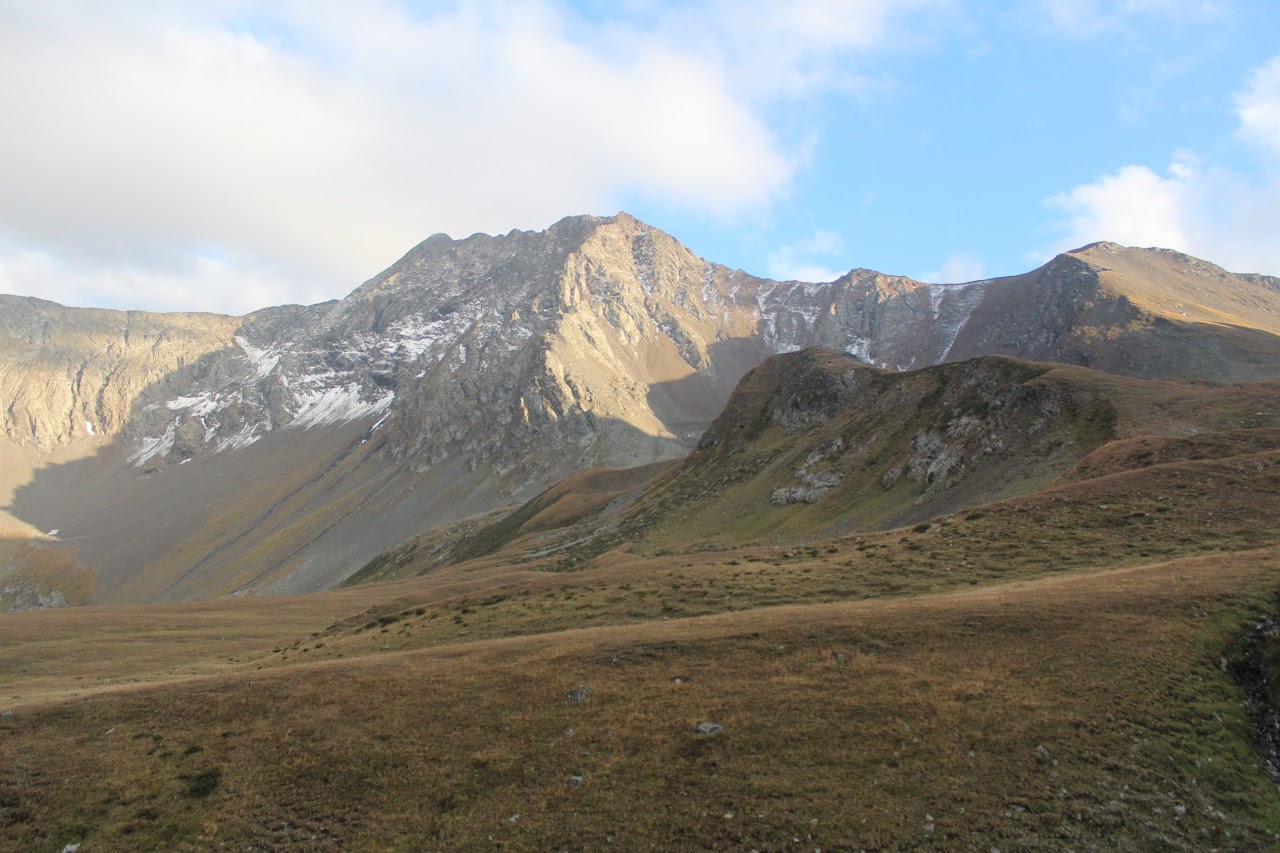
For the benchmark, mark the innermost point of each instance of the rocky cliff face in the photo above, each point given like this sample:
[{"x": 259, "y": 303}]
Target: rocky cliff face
[
  {"x": 600, "y": 333},
  {"x": 74, "y": 373},
  {"x": 474, "y": 372}
]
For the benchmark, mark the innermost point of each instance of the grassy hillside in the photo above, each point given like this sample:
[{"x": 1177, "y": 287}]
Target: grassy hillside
[
  {"x": 887, "y": 449},
  {"x": 1068, "y": 667},
  {"x": 814, "y": 444}
]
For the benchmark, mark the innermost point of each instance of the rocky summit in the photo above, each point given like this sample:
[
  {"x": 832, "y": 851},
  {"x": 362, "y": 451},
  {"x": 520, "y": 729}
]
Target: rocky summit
[{"x": 279, "y": 451}]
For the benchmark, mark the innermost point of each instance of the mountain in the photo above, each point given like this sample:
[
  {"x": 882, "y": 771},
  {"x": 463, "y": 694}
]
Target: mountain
[
  {"x": 814, "y": 444},
  {"x": 981, "y": 603},
  {"x": 280, "y": 451}
]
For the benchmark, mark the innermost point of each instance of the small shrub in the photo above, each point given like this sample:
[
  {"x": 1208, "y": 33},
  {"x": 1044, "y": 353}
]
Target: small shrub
[{"x": 202, "y": 784}]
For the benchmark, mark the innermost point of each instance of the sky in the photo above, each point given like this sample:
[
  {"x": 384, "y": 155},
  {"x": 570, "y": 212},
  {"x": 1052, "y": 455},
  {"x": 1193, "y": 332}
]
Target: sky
[{"x": 227, "y": 155}]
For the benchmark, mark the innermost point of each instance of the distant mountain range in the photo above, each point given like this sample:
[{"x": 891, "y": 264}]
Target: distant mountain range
[{"x": 190, "y": 455}]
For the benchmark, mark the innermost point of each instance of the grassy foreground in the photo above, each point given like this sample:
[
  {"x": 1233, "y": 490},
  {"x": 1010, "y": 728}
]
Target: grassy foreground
[{"x": 1061, "y": 713}]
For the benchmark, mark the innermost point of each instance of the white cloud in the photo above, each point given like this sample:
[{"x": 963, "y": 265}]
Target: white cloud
[
  {"x": 793, "y": 49},
  {"x": 309, "y": 145},
  {"x": 199, "y": 284},
  {"x": 1211, "y": 213},
  {"x": 796, "y": 261},
  {"x": 1258, "y": 108},
  {"x": 1134, "y": 206},
  {"x": 958, "y": 268},
  {"x": 1203, "y": 209}
]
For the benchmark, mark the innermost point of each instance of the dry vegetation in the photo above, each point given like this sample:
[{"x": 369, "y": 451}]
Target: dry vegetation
[
  {"x": 1059, "y": 713},
  {"x": 1058, "y": 670}
]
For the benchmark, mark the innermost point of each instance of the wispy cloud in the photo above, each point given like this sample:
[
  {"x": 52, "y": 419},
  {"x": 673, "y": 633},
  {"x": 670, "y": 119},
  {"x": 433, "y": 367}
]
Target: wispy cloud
[
  {"x": 803, "y": 259},
  {"x": 1258, "y": 108},
  {"x": 958, "y": 268},
  {"x": 1092, "y": 18}
]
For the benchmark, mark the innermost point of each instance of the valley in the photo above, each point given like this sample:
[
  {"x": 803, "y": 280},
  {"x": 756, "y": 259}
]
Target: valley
[
  {"x": 624, "y": 550},
  {"x": 1056, "y": 669}
]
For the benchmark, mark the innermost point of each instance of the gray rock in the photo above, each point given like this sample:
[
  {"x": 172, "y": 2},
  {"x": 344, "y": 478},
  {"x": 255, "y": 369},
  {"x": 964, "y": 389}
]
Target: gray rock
[
  {"x": 890, "y": 478},
  {"x": 709, "y": 729},
  {"x": 27, "y": 596},
  {"x": 797, "y": 495},
  {"x": 579, "y": 694}
]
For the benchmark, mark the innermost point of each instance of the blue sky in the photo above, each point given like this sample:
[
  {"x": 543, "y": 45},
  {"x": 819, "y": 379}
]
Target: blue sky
[{"x": 231, "y": 155}]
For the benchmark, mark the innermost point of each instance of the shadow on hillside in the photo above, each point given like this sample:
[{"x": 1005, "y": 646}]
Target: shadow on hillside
[
  {"x": 317, "y": 504},
  {"x": 320, "y": 501},
  {"x": 687, "y": 406}
]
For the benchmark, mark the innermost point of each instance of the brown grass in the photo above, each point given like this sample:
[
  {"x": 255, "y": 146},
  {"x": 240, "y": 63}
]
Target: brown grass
[{"x": 1065, "y": 712}]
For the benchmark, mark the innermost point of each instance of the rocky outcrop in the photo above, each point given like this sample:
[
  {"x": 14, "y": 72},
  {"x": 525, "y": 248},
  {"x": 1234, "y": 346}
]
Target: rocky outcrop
[
  {"x": 815, "y": 478},
  {"x": 17, "y": 596}
]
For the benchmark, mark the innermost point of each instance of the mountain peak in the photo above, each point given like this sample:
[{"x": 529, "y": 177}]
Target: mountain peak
[{"x": 476, "y": 371}]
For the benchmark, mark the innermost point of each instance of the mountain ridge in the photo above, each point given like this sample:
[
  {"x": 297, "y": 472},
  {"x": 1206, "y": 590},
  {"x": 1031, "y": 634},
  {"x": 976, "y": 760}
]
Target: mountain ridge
[
  {"x": 474, "y": 373},
  {"x": 813, "y": 445}
]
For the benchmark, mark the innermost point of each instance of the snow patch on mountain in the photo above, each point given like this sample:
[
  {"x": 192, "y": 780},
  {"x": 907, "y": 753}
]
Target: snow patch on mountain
[
  {"x": 339, "y": 404},
  {"x": 860, "y": 348},
  {"x": 415, "y": 336},
  {"x": 965, "y": 298},
  {"x": 936, "y": 292},
  {"x": 263, "y": 361},
  {"x": 153, "y": 447},
  {"x": 200, "y": 404},
  {"x": 247, "y": 435}
]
